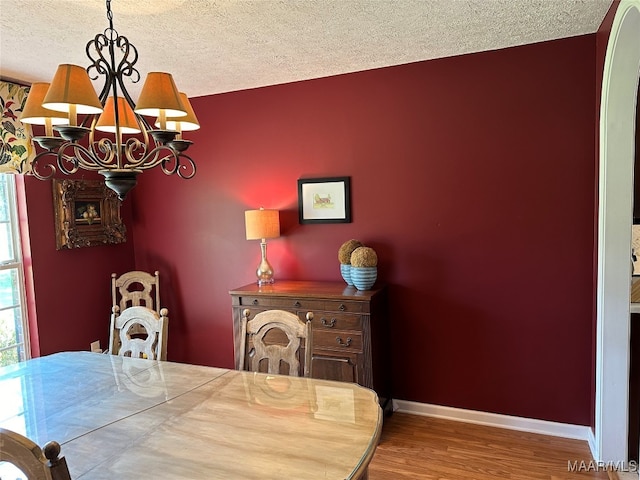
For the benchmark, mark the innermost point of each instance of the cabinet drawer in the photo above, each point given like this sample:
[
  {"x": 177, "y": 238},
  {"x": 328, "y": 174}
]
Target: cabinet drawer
[
  {"x": 283, "y": 303},
  {"x": 337, "y": 340},
  {"x": 336, "y": 321},
  {"x": 346, "y": 307},
  {"x": 287, "y": 303}
]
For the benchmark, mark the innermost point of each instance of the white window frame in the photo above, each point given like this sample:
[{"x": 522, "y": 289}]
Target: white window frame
[{"x": 16, "y": 263}]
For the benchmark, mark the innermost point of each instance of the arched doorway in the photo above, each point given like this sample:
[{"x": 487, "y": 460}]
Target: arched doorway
[{"x": 617, "y": 143}]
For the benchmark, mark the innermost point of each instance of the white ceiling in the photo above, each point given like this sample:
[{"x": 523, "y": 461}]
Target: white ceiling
[{"x": 214, "y": 46}]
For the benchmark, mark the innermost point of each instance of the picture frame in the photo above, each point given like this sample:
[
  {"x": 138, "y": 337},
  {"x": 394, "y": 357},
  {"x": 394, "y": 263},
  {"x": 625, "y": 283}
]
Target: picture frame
[
  {"x": 324, "y": 200},
  {"x": 86, "y": 214}
]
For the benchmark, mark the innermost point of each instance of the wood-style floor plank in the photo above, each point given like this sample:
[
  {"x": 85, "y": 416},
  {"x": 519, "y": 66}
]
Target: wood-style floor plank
[{"x": 414, "y": 447}]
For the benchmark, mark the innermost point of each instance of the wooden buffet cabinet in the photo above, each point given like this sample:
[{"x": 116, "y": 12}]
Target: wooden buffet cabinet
[{"x": 349, "y": 328}]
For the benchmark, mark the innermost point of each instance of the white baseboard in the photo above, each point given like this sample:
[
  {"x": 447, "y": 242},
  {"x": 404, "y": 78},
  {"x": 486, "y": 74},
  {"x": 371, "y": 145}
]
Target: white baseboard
[{"x": 532, "y": 425}]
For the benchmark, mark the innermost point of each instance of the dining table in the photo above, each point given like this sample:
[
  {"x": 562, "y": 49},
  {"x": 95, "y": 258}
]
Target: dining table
[{"x": 133, "y": 418}]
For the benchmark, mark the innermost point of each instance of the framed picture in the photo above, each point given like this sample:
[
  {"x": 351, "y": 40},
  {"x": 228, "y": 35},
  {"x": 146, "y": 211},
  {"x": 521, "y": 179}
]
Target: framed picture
[
  {"x": 324, "y": 200},
  {"x": 635, "y": 249},
  {"x": 87, "y": 213}
]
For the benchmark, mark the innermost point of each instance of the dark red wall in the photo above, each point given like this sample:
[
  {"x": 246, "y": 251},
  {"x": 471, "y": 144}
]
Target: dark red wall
[
  {"x": 72, "y": 288},
  {"x": 473, "y": 177}
]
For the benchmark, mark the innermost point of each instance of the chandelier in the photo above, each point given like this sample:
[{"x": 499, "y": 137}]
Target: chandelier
[{"x": 113, "y": 111}]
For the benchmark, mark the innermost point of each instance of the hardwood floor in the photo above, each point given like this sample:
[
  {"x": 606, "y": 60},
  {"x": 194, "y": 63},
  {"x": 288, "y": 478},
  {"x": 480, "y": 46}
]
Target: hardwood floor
[{"x": 414, "y": 447}]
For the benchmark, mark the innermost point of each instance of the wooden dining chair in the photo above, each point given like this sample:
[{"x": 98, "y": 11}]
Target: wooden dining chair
[
  {"x": 276, "y": 336},
  {"x": 134, "y": 289},
  {"x": 139, "y": 332},
  {"x": 36, "y": 463}
]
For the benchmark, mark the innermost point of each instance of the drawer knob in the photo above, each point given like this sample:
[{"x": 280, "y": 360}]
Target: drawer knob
[
  {"x": 342, "y": 308},
  {"x": 330, "y": 324},
  {"x": 344, "y": 344},
  {"x": 255, "y": 301},
  {"x": 297, "y": 304}
]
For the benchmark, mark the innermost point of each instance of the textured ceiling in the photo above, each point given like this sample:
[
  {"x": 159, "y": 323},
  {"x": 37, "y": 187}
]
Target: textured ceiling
[{"x": 226, "y": 45}]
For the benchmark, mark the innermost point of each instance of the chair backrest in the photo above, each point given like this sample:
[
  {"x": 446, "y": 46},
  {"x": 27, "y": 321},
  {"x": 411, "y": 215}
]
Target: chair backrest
[
  {"x": 275, "y": 336},
  {"x": 35, "y": 463},
  {"x": 135, "y": 289},
  {"x": 139, "y": 332}
]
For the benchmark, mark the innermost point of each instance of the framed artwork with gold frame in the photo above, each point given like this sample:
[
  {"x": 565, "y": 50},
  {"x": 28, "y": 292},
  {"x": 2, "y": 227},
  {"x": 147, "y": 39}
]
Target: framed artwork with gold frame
[{"x": 87, "y": 214}]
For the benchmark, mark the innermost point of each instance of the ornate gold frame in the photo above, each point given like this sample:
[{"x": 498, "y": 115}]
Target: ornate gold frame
[{"x": 87, "y": 214}]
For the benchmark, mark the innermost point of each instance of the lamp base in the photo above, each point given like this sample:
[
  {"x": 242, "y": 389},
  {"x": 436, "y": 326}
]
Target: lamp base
[{"x": 265, "y": 270}]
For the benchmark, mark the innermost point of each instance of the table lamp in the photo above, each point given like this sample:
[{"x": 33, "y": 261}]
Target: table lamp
[{"x": 260, "y": 225}]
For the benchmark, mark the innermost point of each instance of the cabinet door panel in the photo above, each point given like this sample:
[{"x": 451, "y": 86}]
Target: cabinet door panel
[{"x": 343, "y": 368}]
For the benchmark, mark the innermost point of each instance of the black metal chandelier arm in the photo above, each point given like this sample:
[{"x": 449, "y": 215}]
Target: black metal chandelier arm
[
  {"x": 82, "y": 157},
  {"x": 170, "y": 161},
  {"x": 67, "y": 164},
  {"x": 170, "y": 164},
  {"x": 133, "y": 153},
  {"x": 152, "y": 159},
  {"x": 180, "y": 164},
  {"x": 64, "y": 161},
  {"x": 186, "y": 170},
  {"x": 35, "y": 166},
  {"x": 104, "y": 153}
]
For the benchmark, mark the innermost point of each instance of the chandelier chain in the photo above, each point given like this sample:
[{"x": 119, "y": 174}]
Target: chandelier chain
[{"x": 109, "y": 14}]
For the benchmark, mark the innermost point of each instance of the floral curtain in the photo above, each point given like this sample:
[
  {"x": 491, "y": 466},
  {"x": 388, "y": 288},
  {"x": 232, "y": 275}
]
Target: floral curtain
[{"x": 16, "y": 144}]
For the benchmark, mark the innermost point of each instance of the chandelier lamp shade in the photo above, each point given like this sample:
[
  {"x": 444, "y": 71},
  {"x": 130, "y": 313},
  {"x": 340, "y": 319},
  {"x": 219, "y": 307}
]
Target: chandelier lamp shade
[
  {"x": 182, "y": 124},
  {"x": 260, "y": 225},
  {"x": 35, "y": 114},
  {"x": 128, "y": 122},
  {"x": 70, "y": 107}
]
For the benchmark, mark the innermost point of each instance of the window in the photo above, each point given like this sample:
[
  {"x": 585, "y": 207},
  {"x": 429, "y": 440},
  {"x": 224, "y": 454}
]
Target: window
[{"x": 14, "y": 339}]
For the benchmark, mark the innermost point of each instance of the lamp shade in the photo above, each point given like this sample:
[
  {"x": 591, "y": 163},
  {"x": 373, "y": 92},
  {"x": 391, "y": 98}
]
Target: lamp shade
[
  {"x": 160, "y": 95},
  {"x": 262, "y": 223},
  {"x": 33, "y": 111},
  {"x": 126, "y": 118},
  {"x": 71, "y": 85},
  {"x": 183, "y": 124}
]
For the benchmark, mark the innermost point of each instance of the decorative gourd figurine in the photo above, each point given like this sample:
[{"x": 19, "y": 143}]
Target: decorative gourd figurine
[
  {"x": 364, "y": 267},
  {"x": 344, "y": 257}
]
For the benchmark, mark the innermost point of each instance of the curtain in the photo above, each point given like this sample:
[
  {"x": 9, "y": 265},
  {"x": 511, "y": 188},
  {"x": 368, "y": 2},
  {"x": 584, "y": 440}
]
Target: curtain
[{"x": 16, "y": 143}]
